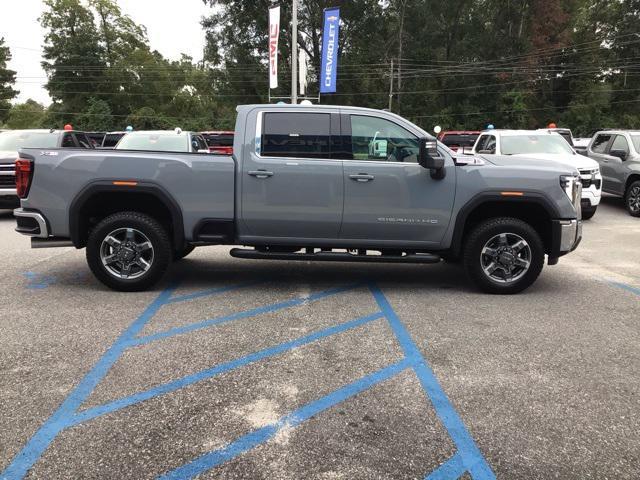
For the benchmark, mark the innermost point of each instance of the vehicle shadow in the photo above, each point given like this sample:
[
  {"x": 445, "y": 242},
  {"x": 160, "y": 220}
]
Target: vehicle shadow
[
  {"x": 6, "y": 215},
  {"x": 612, "y": 201}
]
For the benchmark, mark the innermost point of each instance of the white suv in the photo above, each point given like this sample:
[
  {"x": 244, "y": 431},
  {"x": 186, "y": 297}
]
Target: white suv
[{"x": 546, "y": 145}]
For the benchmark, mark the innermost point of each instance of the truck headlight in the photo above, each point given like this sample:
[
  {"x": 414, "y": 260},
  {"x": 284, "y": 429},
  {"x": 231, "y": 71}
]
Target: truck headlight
[{"x": 573, "y": 188}]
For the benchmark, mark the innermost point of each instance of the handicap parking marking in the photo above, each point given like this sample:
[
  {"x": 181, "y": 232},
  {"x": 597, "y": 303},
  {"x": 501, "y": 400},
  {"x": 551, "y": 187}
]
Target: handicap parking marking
[
  {"x": 467, "y": 459},
  {"x": 625, "y": 286}
]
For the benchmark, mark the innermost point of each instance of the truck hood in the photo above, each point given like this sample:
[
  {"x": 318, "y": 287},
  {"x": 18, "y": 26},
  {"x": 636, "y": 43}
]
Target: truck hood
[
  {"x": 530, "y": 162},
  {"x": 577, "y": 161},
  {"x": 8, "y": 156}
]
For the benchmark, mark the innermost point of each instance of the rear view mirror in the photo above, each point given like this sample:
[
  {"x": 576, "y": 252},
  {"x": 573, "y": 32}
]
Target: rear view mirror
[
  {"x": 621, "y": 154},
  {"x": 430, "y": 158}
]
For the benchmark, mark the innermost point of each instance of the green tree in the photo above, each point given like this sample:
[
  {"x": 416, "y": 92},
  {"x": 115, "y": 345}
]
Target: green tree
[
  {"x": 96, "y": 117},
  {"x": 7, "y": 79},
  {"x": 146, "y": 118},
  {"x": 26, "y": 115},
  {"x": 74, "y": 58}
]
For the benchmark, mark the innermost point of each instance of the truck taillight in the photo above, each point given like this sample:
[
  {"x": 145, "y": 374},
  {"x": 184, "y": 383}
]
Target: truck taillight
[{"x": 24, "y": 172}]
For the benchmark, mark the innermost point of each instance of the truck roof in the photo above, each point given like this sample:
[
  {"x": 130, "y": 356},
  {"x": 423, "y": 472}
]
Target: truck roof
[{"x": 287, "y": 106}]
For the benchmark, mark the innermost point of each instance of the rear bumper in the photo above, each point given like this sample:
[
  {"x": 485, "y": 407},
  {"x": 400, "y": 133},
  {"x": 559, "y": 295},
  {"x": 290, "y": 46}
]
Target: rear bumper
[
  {"x": 31, "y": 223},
  {"x": 565, "y": 237}
]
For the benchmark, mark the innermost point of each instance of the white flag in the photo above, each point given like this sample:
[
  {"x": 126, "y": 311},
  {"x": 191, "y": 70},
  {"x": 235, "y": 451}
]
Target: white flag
[
  {"x": 302, "y": 70},
  {"x": 274, "y": 34}
]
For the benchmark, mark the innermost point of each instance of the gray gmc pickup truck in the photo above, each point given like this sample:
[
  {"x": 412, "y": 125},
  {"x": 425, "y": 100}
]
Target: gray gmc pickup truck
[{"x": 307, "y": 183}]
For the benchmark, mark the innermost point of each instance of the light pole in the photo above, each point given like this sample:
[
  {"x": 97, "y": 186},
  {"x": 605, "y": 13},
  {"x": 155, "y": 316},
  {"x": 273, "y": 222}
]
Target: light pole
[{"x": 294, "y": 52}]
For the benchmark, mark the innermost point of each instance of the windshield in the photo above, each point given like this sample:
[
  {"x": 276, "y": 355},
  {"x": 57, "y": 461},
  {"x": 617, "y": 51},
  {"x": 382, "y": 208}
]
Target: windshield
[
  {"x": 552, "y": 144},
  {"x": 636, "y": 142},
  {"x": 13, "y": 141},
  {"x": 162, "y": 142}
]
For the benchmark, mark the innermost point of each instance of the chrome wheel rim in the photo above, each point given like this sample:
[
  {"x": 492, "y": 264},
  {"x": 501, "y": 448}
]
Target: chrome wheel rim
[
  {"x": 126, "y": 253},
  {"x": 506, "y": 258},
  {"x": 633, "y": 200}
]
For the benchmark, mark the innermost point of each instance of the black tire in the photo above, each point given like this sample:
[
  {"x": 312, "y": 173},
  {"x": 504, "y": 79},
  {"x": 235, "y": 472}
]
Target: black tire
[
  {"x": 632, "y": 199},
  {"x": 588, "y": 213},
  {"x": 180, "y": 254},
  {"x": 151, "y": 229},
  {"x": 487, "y": 231}
]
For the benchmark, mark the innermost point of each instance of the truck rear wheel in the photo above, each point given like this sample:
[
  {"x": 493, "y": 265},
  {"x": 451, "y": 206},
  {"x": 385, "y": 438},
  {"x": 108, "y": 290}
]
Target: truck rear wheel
[
  {"x": 503, "y": 255},
  {"x": 129, "y": 251}
]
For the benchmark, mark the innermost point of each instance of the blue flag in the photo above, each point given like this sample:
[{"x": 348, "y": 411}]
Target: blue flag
[{"x": 329, "y": 67}]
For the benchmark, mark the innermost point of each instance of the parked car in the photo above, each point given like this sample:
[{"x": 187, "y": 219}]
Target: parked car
[
  {"x": 372, "y": 188},
  {"x": 164, "y": 141},
  {"x": 546, "y": 145},
  {"x": 580, "y": 145},
  {"x": 563, "y": 132},
  {"x": 459, "y": 141},
  {"x": 618, "y": 153},
  {"x": 12, "y": 140},
  {"x": 219, "y": 141},
  {"x": 111, "y": 139}
]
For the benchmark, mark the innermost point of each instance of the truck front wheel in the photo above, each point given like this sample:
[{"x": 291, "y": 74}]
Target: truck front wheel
[
  {"x": 503, "y": 255},
  {"x": 129, "y": 251}
]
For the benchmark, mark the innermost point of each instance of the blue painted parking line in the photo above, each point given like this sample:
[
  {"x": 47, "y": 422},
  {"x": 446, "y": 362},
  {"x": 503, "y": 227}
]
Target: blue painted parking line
[
  {"x": 626, "y": 287},
  {"x": 41, "y": 440},
  {"x": 295, "y": 302},
  {"x": 293, "y": 419},
  {"x": 472, "y": 459},
  {"x": 165, "y": 388},
  {"x": 468, "y": 457}
]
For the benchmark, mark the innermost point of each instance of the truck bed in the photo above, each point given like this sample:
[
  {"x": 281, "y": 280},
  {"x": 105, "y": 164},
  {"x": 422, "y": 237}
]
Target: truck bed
[{"x": 201, "y": 185}]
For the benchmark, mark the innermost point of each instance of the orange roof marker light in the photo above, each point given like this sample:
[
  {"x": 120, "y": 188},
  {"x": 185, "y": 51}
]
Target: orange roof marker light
[
  {"x": 122, "y": 183},
  {"x": 512, "y": 194},
  {"x": 553, "y": 125},
  {"x": 68, "y": 127}
]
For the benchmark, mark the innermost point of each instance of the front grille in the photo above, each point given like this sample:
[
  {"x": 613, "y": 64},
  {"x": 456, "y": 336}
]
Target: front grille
[
  {"x": 7, "y": 181},
  {"x": 587, "y": 179}
]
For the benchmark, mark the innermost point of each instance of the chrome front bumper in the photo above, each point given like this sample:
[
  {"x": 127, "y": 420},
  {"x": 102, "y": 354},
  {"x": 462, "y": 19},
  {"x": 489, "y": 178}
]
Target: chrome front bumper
[{"x": 570, "y": 235}]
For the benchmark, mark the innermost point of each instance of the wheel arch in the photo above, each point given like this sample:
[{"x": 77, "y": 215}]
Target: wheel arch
[
  {"x": 634, "y": 177},
  {"x": 103, "y": 198},
  {"x": 532, "y": 208}
]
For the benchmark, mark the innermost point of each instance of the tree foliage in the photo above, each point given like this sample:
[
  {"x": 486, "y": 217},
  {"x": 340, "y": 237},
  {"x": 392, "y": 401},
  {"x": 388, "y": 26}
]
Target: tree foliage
[
  {"x": 461, "y": 64},
  {"x": 7, "y": 79}
]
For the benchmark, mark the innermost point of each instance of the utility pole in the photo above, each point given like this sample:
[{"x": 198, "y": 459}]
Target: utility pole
[
  {"x": 294, "y": 52},
  {"x": 391, "y": 86}
]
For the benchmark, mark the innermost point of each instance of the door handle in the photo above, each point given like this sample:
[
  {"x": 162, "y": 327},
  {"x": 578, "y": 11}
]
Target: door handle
[
  {"x": 362, "y": 177},
  {"x": 260, "y": 173}
]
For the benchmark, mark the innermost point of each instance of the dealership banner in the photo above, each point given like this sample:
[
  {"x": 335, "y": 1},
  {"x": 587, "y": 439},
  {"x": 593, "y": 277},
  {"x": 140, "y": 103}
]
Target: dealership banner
[
  {"x": 329, "y": 67},
  {"x": 274, "y": 34}
]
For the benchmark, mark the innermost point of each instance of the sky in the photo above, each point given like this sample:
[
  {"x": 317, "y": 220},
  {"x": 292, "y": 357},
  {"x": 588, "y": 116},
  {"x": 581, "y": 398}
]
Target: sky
[{"x": 173, "y": 28}]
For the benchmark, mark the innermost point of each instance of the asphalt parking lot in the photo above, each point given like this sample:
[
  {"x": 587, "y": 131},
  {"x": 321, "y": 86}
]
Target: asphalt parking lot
[{"x": 253, "y": 369}]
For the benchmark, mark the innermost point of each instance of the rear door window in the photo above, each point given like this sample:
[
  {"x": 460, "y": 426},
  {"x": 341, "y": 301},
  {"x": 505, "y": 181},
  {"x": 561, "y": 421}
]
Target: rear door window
[
  {"x": 600, "y": 143},
  {"x": 301, "y": 135}
]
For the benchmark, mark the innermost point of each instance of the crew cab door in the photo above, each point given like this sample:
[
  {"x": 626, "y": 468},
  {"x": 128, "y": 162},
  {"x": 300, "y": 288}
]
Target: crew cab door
[
  {"x": 291, "y": 186},
  {"x": 389, "y": 197}
]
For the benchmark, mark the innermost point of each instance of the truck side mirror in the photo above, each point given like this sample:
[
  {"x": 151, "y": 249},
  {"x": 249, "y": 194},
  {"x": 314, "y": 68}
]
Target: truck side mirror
[{"x": 429, "y": 158}]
